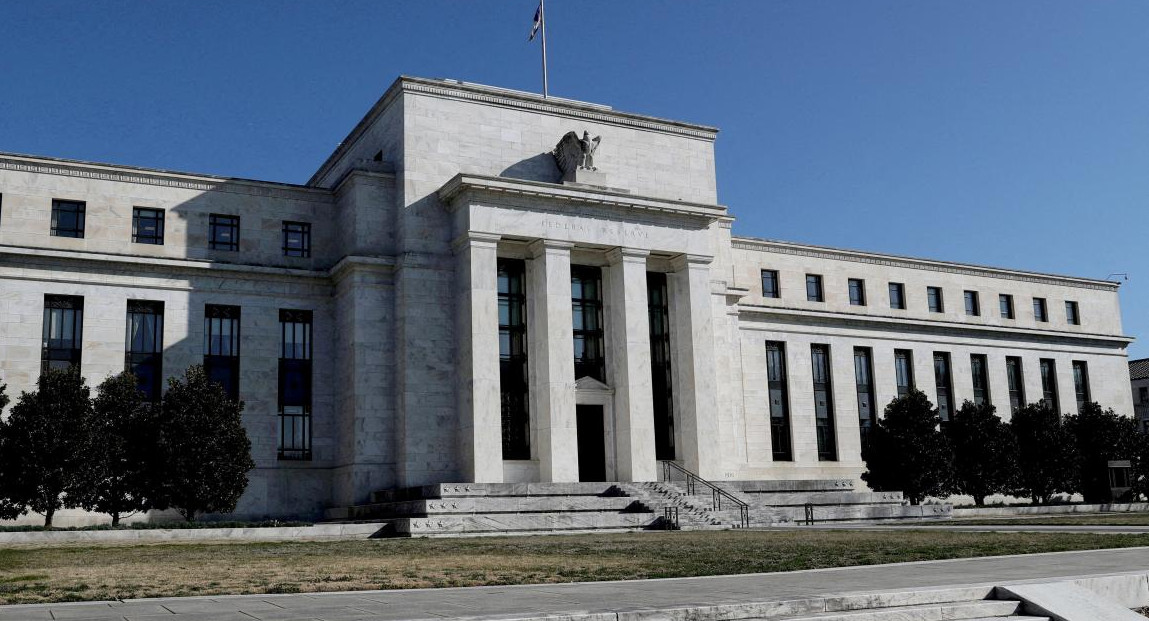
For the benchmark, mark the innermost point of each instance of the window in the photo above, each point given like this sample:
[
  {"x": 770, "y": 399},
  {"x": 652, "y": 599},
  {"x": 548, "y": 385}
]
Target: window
[
  {"x": 586, "y": 307},
  {"x": 864, "y": 378},
  {"x": 897, "y": 295},
  {"x": 662, "y": 383},
  {"x": 944, "y": 385},
  {"x": 1143, "y": 394},
  {"x": 779, "y": 401},
  {"x": 1071, "y": 314},
  {"x": 1049, "y": 385},
  {"x": 68, "y": 219},
  {"x": 221, "y": 347},
  {"x": 223, "y": 232},
  {"x": 1016, "y": 379},
  {"x": 63, "y": 332},
  {"x": 1006, "y": 303},
  {"x": 814, "y": 288},
  {"x": 147, "y": 226},
  {"x": 770, "y": 287},
  {"x": 513, "y": 382},
  {"x": 904, "y": 370},
  {"x": 296, "y": 239},
  {"x": 295, "y": 384},
  {"x": 823, "y": 402},
  {"x": 144, "y": 354},
  {"x": 980, "y": 374},
  {"x": 857, "y": 292},
  {"x": 1081, "y": 383},
  {"x": 934, "y": 299},
  {"x": 1039, "y": 311},
  {"x": 972, "y": 304}
]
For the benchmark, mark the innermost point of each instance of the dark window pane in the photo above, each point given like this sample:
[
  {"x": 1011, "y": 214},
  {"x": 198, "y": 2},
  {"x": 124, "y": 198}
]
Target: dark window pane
[
  {"x": 145, "y": 346},
  {"x": 662, "y": 384},
  {"x": 1071, "y": 315},
  {"x": 68, "y": 218},
  {"x": 863, "y": 377},
  {"x": 586, "y": 307},
  {"x": 223, "y": 232},
  {"x": 777, "y": 385},
  {"x": 972, "y": 303},
  {"x": 148, "y": 226},
  {"x": 897, "y": 295},
  {"x": 1016, "y": 379},
  {"x": 944, "y": 385},
  {"x": 934, "y": 298},
  {"x": 904, "y": 369},
  {"x": 1081, "y": 383},
  {"x": 513, "y": 380},
  {"x": 63, "y": 331},
  {"x": 1049, "y": 384},
  {"x": 1006, "y": 304},
  {"x": 857, "y": 292},
  {"x": 823, "y": 403},
  {"x": 1039, "y": 310},
  {"x": 770, "y": 284},
  {"x": 980, "y": 377},
  {"x": 297, "y": 239},
  {"x": 814, "y": 288}
]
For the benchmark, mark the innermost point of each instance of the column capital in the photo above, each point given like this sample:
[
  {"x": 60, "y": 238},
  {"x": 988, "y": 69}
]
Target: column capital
[
  {"x": 620, "y": 254},
  {"x": 684, "y": 261},
  {"x": 473, "y": 239},
  {"x": 538, "y": 247}
]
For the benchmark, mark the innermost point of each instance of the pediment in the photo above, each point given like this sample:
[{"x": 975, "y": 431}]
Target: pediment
[{"x": 590, "y": 384}]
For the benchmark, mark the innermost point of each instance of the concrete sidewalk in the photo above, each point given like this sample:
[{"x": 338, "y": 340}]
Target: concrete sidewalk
[{"x": 602, "y": 598}]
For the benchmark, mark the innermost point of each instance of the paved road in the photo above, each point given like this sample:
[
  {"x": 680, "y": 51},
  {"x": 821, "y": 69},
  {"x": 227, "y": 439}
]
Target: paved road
[
  {"x": 997, "y": 528},
  {"x": 591, "y": 597}
]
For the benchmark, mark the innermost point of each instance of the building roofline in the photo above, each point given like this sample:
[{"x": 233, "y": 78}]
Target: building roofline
[
  {"x": 137, "y": 174},
  {"x": 754, "y": 243},
  {"x": 467, "y": 91}
]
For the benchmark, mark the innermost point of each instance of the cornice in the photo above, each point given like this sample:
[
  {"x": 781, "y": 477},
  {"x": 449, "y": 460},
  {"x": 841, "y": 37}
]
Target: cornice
[
  {"x": 145, "y": 176},
  {"x": 888, "y": 260},
  {"x": 463, "y": 183}
]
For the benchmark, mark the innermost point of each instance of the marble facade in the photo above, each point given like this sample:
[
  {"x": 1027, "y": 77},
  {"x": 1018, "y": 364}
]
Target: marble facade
[{"x": 409, "y": 219}]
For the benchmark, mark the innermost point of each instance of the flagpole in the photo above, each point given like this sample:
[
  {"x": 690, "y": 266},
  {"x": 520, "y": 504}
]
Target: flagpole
[{"x": 543, "y": 24}]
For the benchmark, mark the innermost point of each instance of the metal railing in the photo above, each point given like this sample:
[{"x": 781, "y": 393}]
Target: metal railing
[{"x": 717, "y": 494}]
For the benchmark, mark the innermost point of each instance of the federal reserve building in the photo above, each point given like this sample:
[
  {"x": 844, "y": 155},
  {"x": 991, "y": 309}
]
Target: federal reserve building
[{"x": 489, "y": 310}]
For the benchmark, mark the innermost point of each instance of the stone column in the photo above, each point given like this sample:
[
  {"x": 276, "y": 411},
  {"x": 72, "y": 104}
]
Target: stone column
[
  {"x": 477, "y": 321},
  {"x": 696, "y": 381},
  {"x": 630, "y": 349},
  {"x": 550, "y": 356}
]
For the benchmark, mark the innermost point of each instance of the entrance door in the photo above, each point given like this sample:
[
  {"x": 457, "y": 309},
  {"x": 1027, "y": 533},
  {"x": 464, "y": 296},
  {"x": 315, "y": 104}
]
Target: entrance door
[{"x": 591, "y": 443}]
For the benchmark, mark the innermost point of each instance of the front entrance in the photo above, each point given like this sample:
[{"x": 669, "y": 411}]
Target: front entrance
[{"x": 591, "y": 443}]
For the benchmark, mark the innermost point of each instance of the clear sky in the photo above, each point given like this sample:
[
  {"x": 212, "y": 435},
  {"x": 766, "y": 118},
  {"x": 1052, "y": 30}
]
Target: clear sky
[{"x": 1003, "y": 133}]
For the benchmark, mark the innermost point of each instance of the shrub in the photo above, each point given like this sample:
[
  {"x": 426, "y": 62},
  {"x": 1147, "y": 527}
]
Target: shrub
[
  {"x": 1098, "y": 437},
  {"x": 45, "y": 446},
  {"x": 1045, "y": 453},
  {"x": 205, "y": 449},
  {"x": 905, "y": 451},
  {"x": 983, "y": 451}
]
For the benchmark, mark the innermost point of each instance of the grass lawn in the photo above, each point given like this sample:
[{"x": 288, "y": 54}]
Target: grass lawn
[
  {"x": 1096, "y": 519},
  {"x": 86, "y": 572}
]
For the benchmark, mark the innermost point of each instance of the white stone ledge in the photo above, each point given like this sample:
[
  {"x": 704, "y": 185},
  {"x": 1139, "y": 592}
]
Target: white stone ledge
[
  {"x": 271, "y": 533},
  {"x": 187, "y": 265}
]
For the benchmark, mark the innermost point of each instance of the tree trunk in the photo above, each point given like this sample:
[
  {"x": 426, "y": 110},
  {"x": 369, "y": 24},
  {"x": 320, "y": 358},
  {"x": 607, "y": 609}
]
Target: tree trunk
[
  {"x": 115, "y": 519},
  {"x": 979, "y": 501},
  {"x": 48, "y": 517}
]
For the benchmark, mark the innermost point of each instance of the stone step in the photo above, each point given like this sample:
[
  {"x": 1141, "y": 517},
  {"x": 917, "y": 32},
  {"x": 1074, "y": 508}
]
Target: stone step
[
  {"x": 520, "y": 522},
  {"x": 793, "y": 485},
  {"x": 949, "y": 611},
  {"x": 798, "y": 499},
  {"x": 492, "y": 504},
  {"x": 852, "y": 513},
  {"x": 462, "y": 490}
]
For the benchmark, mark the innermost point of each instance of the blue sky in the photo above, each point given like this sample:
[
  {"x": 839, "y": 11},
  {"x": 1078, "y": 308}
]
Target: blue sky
[{"x": 1002, "y": 133}]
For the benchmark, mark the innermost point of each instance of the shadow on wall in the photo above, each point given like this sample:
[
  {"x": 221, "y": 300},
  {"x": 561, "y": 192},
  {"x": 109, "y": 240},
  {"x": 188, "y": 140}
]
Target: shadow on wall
[{"x": 541, "y": 167}]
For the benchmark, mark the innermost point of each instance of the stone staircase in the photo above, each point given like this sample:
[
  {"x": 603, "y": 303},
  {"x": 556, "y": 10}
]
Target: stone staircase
[
  {"x": 826, "y": 500},
  {"x": 968, "y": 603}
]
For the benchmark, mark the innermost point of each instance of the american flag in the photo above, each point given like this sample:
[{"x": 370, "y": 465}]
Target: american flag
[{"x": 537, "y": 23}]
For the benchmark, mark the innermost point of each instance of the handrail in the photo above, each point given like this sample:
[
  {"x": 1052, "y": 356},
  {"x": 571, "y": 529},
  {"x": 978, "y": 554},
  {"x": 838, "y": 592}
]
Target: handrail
[{"x": 716, "y": 493}]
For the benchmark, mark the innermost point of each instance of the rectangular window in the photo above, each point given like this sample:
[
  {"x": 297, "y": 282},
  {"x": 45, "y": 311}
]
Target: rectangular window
[
  {"x": 586, "y": 308},
  {"x": 1039, "y": 310},
  {"x": 897, "y": 295},
  {"x": 295, "y": 384},
  {"x": 1081, "y": 383},
  {"x": 770, "y": 288},
  {"x": 513, "y": 378},
  {"x": 662, "y": 384},
  {"x": 814, "y": 288},
  {"x": 223, "y": 232},
  {"x": 63, "y": 332},
  {"x": 980, "y": 375},
  {"x": 68, "y": 218},
  {"x": 823, "y": 402},
  {"x": 1071, "y": 314},
  {"x": 144, "y": 355},
  {"x": 864, "y": 378},
  {"x": 779, "y": 401},
  {"x": 857, "y": 292},
  {"x": 1143, "y": 394},
  {"x": 944, "y": 384},
  {"x": 1013, "y": 373},
  {"x": 147, "y": 226},
  {"x": 904, "y": 370},
  {"x": 221, "y": 346},
  {"x": 297, "y": 239},
  {"x": 934, "y": 299},
  {"x": 1049, "y": 384},
  {"x": 972, "y": 304},
  {"x": 1005, "y": 302}
]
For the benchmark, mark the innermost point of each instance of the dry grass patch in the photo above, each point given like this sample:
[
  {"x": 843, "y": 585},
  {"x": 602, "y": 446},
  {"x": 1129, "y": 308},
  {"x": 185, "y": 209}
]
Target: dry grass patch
[
  {"x": 1093, "y": 519},
  {"x": 86, "y": 572}
]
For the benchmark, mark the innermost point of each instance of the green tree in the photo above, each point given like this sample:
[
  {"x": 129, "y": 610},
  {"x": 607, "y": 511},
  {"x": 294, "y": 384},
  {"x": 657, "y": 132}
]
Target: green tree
[
  {"x": 125, "y": 454},
  {"x": 1045, "y": 453},
  {"x": 3, "y": 397},
  {"x": 904, "y": 451},
  {"x": 45, "y": 445},
  {"x": 206, "y": 452},
  {"x": 1099, "y": 436},
  {"x": 8, "y": 509},
  {"x": 983, "y": 452},
  {"x": 1140, "y": 463}
]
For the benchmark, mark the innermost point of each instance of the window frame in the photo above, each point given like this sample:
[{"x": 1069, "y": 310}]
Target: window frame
[
  {"x": 777, "y": 379},
  {"x": 220, "y": 222},
  {"x": 303, "y": 230},
  {"x": 776, "y": 291},
  {"x": 857, "y": 286},
  {"x": 69, "y": 320},
  {"x": 819, "y": 294},
  {"x": 1005, "y": 306},
  {"x": 227, "y": 359},
  {"x": 944, "y": 381},
  {"x": 972, "y": 303},
  {"x": 1072, "y": 313},
  {"x": 1049, "y": 392},
  {"x": 592, "y": 338},
  {"x": 157, "y": 216},
  {"x": 979, "y": 378},
  {"x": 935, "y": 299},
  {"x": 514, "y": 381},
  {"x": 77, "y": 209},
  {"x": 824, "y": 426},
  {"x": 900, "y": 288},
  {"x": 295, "y": 364},
  {"x": 1040, "y": 310},
  {"x": 864, "y": 385},
  {"x": 143, "y": 312},
  {"x": 1081, "y": 389},
  {"x": 1015, "y": 382},
  {"x": 908, "y": 356}
]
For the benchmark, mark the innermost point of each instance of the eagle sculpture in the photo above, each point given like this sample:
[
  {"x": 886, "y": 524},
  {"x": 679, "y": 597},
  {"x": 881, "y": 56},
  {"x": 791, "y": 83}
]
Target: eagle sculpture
[{"x": 573, "y": 153}]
